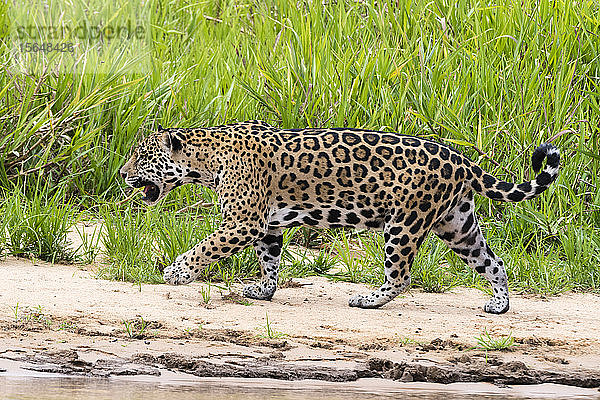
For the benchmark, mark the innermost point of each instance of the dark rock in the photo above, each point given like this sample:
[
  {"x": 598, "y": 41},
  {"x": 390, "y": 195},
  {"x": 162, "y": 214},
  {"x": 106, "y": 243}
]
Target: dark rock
[
  {"x": 406, "y": 377},
  {"x": 464, "y": 369}
]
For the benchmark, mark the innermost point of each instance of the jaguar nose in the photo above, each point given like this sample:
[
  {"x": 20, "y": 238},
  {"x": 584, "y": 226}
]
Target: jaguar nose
[{"x": 123, "y": 174}]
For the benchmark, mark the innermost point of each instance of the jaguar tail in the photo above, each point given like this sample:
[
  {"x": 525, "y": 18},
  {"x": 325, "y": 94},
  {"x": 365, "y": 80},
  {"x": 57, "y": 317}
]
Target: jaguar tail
[{"x": 496, "y": 189}]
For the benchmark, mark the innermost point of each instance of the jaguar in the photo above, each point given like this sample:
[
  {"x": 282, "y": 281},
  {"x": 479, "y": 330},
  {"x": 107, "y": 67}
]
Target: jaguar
[{"x": 268, "y": 179}]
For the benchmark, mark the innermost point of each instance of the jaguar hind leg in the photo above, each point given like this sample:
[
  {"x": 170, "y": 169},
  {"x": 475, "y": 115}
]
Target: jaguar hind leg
[
  {"x": 268, "y": 251},
  {"x": 400, "y": 249},
  {"x": 461, "y": 232}
]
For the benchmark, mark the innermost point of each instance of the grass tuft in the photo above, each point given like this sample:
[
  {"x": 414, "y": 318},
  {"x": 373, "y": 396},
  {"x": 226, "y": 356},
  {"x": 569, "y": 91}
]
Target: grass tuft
[
  {"x": 269, "y": 331},
  {"x": 36, "y": 227},
  {"x": 487, "y": 342}
]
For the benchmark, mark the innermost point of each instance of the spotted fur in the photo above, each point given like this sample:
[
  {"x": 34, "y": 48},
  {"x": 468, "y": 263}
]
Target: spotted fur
[{"x": 268, "y": 179}]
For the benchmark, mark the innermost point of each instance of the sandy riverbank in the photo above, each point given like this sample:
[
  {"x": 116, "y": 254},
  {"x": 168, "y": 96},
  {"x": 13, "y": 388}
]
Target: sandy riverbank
[{"x": 67, "y": 321}]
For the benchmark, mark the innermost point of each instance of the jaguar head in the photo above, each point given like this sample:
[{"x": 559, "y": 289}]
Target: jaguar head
[{"x": 154, "y": 165}]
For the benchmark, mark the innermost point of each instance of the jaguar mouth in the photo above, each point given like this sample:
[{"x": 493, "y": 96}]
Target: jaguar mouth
[{"x": 150, "y": 193}]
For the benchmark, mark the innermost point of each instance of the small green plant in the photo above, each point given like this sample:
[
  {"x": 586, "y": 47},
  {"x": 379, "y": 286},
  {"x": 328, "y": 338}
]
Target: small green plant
[
  {"x": 236, "y": 298},
  {"x": 227, "y": 276},
  {"x": 427, "y": 270},
  {"x": 88, "y": 250},
  {"x": 300, "y": 262},
  {"x": 360, "y": 256},
  {"x": 239, "y": 266},
  {"x": 135, "y": 328},
  {"x": 487, "y": 342},
  {"x": 26, "y": 315},
  {"x": 405, "y": 341},
  {"x": 269, "y": 331},
  {"x": 205, "y": 293},
  {"x": 67, "y": 326},
  {"x": 348, "y": 257},
  {"x": 15, "y": 311},
  {"x": 244, "y": 302}
]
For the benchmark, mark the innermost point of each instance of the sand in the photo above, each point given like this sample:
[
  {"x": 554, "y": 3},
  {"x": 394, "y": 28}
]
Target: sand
[{"x": 66, "y": 316}]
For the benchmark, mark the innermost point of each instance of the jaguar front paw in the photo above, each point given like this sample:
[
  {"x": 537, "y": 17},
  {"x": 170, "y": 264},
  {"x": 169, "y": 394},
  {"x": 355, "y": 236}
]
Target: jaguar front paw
[
  {"x": 259, "y": 292},
  {"x": 363, "y": 301},
  {"x": 178, "y": 273}
]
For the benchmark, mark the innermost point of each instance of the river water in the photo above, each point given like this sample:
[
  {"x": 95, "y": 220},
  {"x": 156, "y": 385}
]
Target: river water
[{"x": 18, "y": 383}]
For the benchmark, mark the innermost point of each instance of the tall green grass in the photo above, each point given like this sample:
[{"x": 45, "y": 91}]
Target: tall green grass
[
  {"x": 494, "y": 80},
  {"x": 36, "y": 227}
]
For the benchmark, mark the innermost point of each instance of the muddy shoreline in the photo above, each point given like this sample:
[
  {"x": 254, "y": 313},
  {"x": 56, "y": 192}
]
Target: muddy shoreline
[
  {"x": 463, "y": 370},
  {"x": 58, "y": 319}
]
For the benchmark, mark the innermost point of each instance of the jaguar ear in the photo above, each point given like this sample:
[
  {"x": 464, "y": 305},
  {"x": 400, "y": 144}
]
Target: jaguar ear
[
  {"x": 172, "y": 142},
  {"x": 160, "y": 128}
]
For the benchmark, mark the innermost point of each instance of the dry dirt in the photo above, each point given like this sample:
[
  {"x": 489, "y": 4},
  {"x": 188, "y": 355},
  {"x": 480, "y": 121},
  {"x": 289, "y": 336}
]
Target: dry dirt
[{"x": 67, "y": 321}]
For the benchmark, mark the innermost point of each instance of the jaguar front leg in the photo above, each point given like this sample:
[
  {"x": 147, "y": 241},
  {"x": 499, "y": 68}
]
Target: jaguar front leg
[
  {"x": 268, "y": 250},
  {"x": 222, "y": 243}
]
